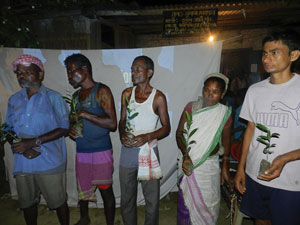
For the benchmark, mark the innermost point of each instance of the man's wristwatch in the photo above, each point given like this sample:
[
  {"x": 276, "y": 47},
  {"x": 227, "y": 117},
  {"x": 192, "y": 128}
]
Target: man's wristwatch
[{"x": 38, "y": 141}]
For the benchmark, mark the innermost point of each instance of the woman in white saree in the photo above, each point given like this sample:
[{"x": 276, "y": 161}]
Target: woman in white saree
[{"x": 199, "y": 179}]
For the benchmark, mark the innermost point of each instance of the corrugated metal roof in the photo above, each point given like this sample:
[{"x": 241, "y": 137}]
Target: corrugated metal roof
[{"x": 209, "y": 3}]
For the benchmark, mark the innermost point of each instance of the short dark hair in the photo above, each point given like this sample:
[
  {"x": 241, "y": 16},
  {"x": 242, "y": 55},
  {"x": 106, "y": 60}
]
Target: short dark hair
[
  {"x": 220, "y": 82},
  {"x": 288, "y": 37},
  {"x": 148, "y": 61},
  {"x": 80, "y": 61}
]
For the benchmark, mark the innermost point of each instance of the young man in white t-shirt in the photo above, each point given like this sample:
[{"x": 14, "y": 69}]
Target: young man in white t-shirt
[{"x": 273, "y": 198}]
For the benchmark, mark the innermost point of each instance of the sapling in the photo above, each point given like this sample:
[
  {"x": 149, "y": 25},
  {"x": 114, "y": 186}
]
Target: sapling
[
  {"x": 128, "y": 127},
  {"x": 187, "y": 133},
  {"x": 266, "y": 140},
  {"x": 72, "y": 100},
  {"x": 6, "y": 134}
]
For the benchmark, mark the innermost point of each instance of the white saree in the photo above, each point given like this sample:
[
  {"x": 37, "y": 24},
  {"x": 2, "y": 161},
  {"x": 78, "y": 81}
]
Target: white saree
[{"x": 201, "y": 190}]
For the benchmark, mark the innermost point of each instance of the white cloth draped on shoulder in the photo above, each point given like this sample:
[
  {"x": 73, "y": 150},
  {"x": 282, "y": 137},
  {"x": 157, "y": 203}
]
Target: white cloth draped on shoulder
[
  {"x": 149, "y": 167},
  {"x": 210, "y": 122}
]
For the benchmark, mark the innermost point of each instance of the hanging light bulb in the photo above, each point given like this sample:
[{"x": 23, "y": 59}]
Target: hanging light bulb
[{"x": 211, "y": 38}]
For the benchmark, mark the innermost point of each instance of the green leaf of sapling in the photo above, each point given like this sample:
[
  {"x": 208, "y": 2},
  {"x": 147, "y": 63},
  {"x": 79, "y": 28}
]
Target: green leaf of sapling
[
  {"x": 188, "y": 116},
  {"x": 192, "y": 142},
  {"x": 188, "y": 120},
  {"x": 4, "y": 125},
  {"x": 262, "y": 141},
  {"x": 3, "y": 138},
  {"x": 188, "y": 126},
  {"x": 262, "y": 127},
  {"x": 269, "y": 135},
  {"x": 66, "y": 98},
  {"x": 184, "y": 131},
  {"x": 193, "y": 131},
  {"x": 68, "y": 101},
  {"x": 133, "y": 116},
  {"x": 126, "y": 100},
  {"x": 275, "y": 135},
  {"x": 263, "y": 137},
  {"x": 266, "y": 140},
  {"x": 183, "y": 140}
]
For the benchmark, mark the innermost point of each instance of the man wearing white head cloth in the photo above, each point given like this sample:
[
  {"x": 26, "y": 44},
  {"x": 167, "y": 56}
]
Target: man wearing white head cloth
[
  {"x": 39, "y": 118},
  {"x": 202, "y": 135}
]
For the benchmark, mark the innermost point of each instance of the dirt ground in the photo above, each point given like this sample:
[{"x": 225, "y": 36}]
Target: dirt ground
[{"x": 11, "y": 215}]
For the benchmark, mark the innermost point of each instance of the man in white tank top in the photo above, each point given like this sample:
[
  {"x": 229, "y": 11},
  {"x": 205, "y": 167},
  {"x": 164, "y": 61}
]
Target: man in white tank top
[{"x": 151, "y": 105}]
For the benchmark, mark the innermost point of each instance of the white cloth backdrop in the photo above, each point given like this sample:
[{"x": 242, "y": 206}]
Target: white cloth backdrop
[{"x": 179, "y": 72}]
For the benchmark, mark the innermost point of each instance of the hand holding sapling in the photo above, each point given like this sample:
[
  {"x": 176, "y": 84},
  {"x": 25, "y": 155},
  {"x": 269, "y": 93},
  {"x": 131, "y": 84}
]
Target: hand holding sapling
[
  {"x": 76, "y": 123},
  {"x": 7, "y": 134},
  {"x": 129, "y": 129},
  {"x": 266, "y": 140},
  {"x": 187, "y": 164}
]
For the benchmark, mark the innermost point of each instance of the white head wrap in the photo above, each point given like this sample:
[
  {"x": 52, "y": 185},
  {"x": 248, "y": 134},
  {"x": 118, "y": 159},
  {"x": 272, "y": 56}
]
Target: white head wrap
[{"x": 219, "y": 75}]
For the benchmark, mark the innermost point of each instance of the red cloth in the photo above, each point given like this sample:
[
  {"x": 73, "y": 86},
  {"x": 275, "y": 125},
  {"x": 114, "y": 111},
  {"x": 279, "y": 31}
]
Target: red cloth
[
  {"x": 103, "y": 186},
  {"x": 27, "y": 59}
]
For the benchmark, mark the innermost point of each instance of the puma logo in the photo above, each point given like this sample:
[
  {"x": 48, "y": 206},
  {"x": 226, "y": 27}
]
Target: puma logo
[{"x": 283, "y": 107}]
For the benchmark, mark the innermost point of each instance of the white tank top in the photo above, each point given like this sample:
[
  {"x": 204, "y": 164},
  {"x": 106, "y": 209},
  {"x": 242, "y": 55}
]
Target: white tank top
[{"x": 146, "y": 120}]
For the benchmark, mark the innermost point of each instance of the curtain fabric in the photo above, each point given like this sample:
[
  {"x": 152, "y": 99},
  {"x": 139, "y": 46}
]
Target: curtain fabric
[{"x": 179, "y": 72}]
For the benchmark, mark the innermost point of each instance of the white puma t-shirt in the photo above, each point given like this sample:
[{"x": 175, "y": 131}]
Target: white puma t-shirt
[{"x": 276, "y": 106}]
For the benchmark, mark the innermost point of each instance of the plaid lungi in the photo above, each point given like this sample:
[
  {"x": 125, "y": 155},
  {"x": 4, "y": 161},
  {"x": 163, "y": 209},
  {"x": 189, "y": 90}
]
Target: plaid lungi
[{"x": 92, "y": 169}]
